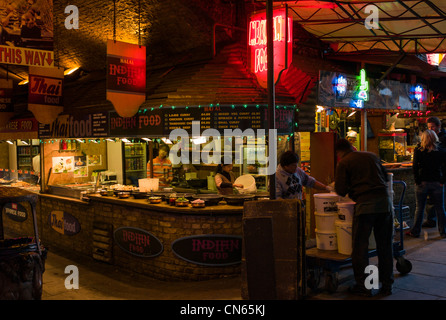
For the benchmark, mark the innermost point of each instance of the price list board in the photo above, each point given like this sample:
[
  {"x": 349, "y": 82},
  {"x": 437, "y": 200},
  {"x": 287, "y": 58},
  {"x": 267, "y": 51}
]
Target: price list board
[
  {"x": 181, "y": 118},
  {"x": 163, "y": 121},
  {"x": 238, "y": 118}
]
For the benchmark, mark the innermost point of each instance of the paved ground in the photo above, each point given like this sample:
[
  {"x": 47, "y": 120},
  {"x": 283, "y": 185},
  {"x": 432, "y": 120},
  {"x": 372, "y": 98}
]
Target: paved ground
[{"x": 100, "y": 281}]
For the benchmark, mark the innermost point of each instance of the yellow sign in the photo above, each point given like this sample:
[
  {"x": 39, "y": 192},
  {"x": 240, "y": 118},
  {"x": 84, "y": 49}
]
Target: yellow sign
[{"x": 26, "y": 57}]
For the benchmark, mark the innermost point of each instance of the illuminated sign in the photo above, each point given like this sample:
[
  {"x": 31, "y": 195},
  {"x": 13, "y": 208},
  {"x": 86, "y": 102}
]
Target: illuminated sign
[
  {"x": 126, "y": 76},
  {"x": 417, "y": 93},
  {"x": 434, "y": 59},
  {"x": 341, "y": 85},
  {"x": 363, "y": 93},
  {"x": 257, "y": 42}
]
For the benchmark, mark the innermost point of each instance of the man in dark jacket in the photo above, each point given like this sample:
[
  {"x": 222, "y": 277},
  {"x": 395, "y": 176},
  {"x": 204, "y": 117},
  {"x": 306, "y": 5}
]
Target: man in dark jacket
[
  {"x": 364, "y": 179},
  {"x": 434, "y": 123}
]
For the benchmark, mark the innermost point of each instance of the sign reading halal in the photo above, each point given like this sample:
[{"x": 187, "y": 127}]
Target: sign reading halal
[{"x": 257, "y": 42}]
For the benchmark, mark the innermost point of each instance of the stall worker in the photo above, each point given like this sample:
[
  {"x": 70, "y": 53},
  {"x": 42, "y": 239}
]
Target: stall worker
[
  {"x": 162, "y": 167},
  {"x": 290, "y": 178},
  {"x": 362, "y": 176},
  {"x": 224, "y": 178},
  {"x": 351, "y": 137}
]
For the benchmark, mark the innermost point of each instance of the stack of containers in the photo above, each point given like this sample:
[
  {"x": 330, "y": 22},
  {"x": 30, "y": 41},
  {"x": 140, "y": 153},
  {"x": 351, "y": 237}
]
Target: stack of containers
[
  {"x": 326, "y": 213},
  {"x": 344, "y": 225}
]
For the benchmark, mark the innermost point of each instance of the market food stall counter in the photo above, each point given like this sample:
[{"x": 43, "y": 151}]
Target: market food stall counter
[{"x": 162, "y": 241}]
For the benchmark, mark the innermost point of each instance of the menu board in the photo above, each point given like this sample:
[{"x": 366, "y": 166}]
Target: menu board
[
  {"x": 93, "y": 125},
  {"x": 163, "y": 121}
]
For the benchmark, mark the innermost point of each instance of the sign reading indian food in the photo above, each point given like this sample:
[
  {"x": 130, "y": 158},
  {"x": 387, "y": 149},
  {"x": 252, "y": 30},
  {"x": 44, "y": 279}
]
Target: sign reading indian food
[
  {"x": 209, "y": 250},
  {"x": 138, "y": 242},
  {"x": 126, "y": 76}
]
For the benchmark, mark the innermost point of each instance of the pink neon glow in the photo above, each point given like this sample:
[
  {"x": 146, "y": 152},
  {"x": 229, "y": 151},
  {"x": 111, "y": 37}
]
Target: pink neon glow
[{"x": 257, "y": 41}]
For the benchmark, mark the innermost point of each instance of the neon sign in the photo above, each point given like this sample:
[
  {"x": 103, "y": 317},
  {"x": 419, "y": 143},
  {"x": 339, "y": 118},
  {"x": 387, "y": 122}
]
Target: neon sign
[
  {"x": 363, "y": 93},
  {"x": 341, "y": 85},
  {"x": 418, "y": 93},
  {"x": 257, "y": 41}
]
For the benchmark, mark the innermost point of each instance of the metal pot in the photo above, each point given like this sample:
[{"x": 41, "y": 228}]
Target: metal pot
[
  {"x": 238, "y": 200},
  {"x": 209, "y": 199},
  {"x": 139, "y": 195}
]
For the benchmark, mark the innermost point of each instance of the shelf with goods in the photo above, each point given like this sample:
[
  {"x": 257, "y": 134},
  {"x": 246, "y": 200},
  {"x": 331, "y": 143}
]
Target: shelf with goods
[
  {"x": 26, "y": 151},
  {"x": 134, "y": 162}
]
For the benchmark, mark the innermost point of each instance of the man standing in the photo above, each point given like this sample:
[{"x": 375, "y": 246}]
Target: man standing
[
  {"x": 364, "y": 179},
  {"x": 434, "y": 124}
]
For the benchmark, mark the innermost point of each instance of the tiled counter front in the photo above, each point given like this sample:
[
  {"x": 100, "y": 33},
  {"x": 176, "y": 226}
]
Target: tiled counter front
[{"x": 90, "y": 229}]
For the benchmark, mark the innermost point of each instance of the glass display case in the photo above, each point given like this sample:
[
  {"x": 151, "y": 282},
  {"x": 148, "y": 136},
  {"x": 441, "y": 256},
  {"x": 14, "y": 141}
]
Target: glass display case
[
  {"x": 392, "y": 146},
  {"x": 135, "y": 162}
]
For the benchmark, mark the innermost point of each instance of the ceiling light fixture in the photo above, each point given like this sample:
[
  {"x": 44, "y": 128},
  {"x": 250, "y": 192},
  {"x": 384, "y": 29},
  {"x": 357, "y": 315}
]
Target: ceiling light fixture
[
  {"x": 353, "y": 112},
  {"x": 70, "y": 71},
  {"x": 23, "y": 82}
]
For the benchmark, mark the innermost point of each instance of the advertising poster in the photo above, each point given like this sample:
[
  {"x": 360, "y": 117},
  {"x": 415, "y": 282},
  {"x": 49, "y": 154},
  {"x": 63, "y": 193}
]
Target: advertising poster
[
  {"x": 27, "y": 32},
  {"x": 94, "y": 160},
  {"x": 126, "y": 77},
  {"x": 80, "y": 167},
  {"x": 63, "y": 164}
]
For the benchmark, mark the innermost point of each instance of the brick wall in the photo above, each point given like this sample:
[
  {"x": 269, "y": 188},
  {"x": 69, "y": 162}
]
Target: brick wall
[{"x": 167, "y": 227}]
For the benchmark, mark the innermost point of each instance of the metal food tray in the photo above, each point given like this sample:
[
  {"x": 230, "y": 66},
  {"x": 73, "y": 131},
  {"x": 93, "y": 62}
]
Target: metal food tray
[{"x": 70, "y": 192}]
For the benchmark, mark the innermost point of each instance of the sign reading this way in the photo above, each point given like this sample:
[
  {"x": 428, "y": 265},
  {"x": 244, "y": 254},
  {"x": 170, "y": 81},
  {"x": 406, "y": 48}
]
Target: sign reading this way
[{"x": 26, "y": 57}]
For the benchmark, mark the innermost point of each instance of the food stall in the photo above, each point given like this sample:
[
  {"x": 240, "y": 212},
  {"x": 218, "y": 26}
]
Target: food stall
[
  {"x": 19, "y": 154},
  {"x": 182, "y": 232}
]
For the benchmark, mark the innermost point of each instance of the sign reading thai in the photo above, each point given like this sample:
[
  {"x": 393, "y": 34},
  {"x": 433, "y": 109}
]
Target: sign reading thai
[
  {"x": 76, "y": 126},
  {"x": 45, "y": 92},
  {"x": 209, "y": 250},
  {"x": 15, "y": 211},
  {"x": 138, "y": 242},
  {"x": 257, "y": 42},
  {"x": 64, "y": 223},
  {"x": 126, "y": 76}
]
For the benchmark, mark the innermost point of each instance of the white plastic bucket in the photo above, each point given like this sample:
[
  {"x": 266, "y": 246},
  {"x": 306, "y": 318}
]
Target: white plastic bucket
[
  {"x": 344, "y": 237},
  {"x": 346, "y": 210},
  {"x": 326, "y": 240},
  {"x": 325, "y": 221},
  {"x": 248, "y": 182},
  {"x": 326, "y": 202}
]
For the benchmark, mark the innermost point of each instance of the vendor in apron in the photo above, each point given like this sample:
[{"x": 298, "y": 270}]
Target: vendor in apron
[{"x": 224, "y": 179}]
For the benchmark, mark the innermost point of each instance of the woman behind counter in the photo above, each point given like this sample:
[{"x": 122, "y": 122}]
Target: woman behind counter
[
  {"x": 224, "y": 178},
  {"x": 162, "y": 167}
]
